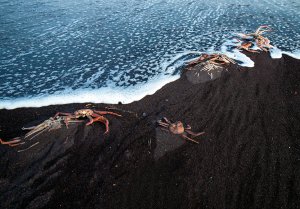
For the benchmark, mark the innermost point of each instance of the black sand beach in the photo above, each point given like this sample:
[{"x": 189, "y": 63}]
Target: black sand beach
[{"x": 248, "y": 158}]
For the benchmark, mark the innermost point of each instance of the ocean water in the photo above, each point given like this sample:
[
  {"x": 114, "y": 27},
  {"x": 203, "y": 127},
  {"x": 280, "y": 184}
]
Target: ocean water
[{"x": 64, "y": 51}]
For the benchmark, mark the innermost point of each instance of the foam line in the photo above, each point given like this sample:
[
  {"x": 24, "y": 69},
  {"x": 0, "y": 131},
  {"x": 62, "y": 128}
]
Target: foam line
[
  {"x": 102, "y": 95},
  {"x": 114, "y": 94}
]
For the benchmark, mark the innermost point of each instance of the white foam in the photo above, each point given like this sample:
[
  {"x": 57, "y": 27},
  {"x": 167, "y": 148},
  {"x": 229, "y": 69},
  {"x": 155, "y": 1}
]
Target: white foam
[
  {"x": 239, "y": 56},
  {"x": 175, "y": 62},
  {"x": 235, "y": 53},
  {"x": 275, "y": 53},
  {"x": 114, "y": 94},
  {"x": 110, "y": 94},
  {"x": 295, "y": 54}
]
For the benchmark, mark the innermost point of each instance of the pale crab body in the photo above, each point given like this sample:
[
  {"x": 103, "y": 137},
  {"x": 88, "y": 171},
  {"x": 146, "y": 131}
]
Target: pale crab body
[
  {"x": 48, "y": 125},
  {"x": 83, "y": 113}
]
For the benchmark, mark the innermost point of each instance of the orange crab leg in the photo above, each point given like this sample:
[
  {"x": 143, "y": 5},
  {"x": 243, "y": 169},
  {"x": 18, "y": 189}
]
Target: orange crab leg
[
  {"x": 249, "y": 50},
  {"x": 194, "y": 134},
  {"x": 11, "y": 143},
  {"x": 188, "y": 138},
  {"x": 104, "y": 121},
  {"x": 107, "y": 113},
  {"x": 100, "y": 119},
  {"x": 202, "y": 58}
]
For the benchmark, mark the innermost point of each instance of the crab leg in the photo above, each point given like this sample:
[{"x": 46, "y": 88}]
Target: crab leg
[
  {"x": 202, "y": 58},
  {"x": 163, "y": 124},
  {"x": 249, "y": 50},
  {"x": 37, "y": 134},
  {"x": 62, "y": 113},
  {"x": 29, "y": 128},
  {"x": 260, "y": 31},
  {"x": 194, "y": 134},
  {"x": 166, "y": 119},
  {"x": 187, "y": 138},
  {"x": 212, "y": 61},
  {"x": 36, "y": 129},
  {"x": 188, "y": 127},
  {"x": 91, "y": 120},
  {"x": 22, "y": 150},
  {"x": 68, "y": 118},
  {"x": 106, "y": 113},
  {"x": 104, "y": 121},
  {"x": 12, "y": 143}
]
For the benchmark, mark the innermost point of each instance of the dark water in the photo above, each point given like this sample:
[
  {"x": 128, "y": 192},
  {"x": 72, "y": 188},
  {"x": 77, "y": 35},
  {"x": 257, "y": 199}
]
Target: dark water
[{"x": 48, "y": 48}]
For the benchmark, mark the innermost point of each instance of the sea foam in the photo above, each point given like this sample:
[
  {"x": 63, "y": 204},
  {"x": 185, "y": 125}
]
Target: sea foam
[
  {"x": 103, "y": 95},
  {"x": 114, "y": 94}
]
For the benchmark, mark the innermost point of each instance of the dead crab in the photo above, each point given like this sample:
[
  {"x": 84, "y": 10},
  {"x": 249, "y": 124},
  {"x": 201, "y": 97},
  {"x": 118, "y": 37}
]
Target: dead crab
[
  {"x": 48, "y": 125},
  {"x": 211, "y": 63},
  {"x": 92, "y": 115},
  {"x": 216, "y": 59},
  {"x": 259, "y": 31},
  {"x": 178, "y": 129},
  {"x": 261, "y": 41}
]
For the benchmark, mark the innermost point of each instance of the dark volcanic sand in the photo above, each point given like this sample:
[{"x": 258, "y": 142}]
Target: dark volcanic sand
[{"x": 248, "y": 158}]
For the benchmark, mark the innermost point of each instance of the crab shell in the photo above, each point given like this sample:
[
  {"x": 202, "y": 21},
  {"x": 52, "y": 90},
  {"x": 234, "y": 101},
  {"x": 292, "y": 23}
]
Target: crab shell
[
  {"x": 83, "y": 113},
  {"x": 177, "y": 127}
]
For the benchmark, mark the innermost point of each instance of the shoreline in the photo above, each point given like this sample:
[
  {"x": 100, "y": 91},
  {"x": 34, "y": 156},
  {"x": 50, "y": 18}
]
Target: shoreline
[
  {"x": 116, "y": 94},
  {"x": 246, "y": 159}
]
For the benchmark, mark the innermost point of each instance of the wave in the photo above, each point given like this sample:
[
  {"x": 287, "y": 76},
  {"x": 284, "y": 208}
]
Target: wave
[
  {"x": 114, "y": 94},
  {"x": 110, "y": 94}
]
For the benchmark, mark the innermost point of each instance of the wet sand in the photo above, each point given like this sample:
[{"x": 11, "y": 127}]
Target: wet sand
[{"x": 248, "y": 158}]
